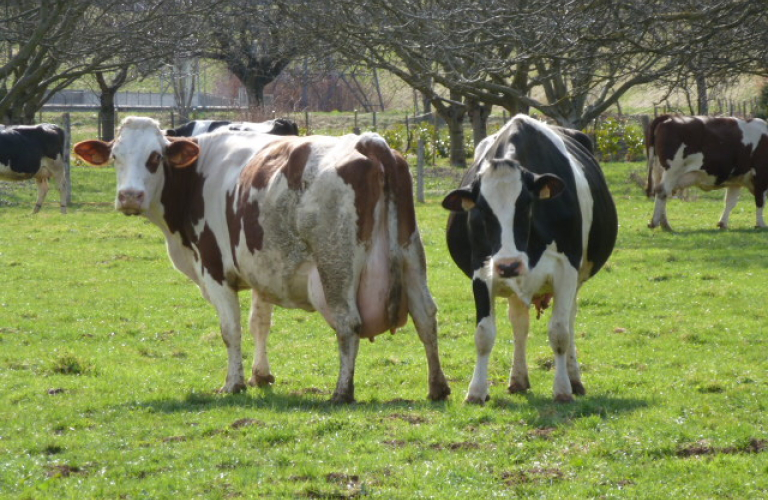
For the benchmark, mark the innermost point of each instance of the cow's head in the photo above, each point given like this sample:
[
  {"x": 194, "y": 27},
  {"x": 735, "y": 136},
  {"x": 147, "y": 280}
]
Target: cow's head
[
  {"x": 140, "y": 153},
  {"x": 498, "y": 205}
]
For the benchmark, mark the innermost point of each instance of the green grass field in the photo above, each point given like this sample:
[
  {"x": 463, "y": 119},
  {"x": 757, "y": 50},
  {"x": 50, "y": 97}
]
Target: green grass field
[{"x": 109, "y": 359}]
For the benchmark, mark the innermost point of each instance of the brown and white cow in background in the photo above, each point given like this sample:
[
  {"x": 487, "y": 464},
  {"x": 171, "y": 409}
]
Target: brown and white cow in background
[
  {"x": 711, "y": 153},
  {"x": 316, "y": 223}
]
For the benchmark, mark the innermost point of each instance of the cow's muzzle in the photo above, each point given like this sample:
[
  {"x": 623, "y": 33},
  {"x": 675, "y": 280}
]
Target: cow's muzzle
[
  {"x": 130, "y": 201},
  {"x": 509, "y": 268}
]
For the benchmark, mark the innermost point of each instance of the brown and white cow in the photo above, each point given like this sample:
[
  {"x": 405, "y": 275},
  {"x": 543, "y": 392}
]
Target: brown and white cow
[
  {"x": 708, "y": 152},
  {"x": 316, "y": 223}
]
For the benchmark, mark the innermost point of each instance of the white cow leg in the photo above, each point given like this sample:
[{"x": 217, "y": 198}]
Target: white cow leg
[
  {"x": 520, "y": 319},
  {"x": 423, "y": 312},
  {"x": 574, "y": 371},
  {"x": 560, "y": 338},
  {"x": 61, "y": 183},
  {"x": 485, "y": 337},
  {"x": 42, "y": 191},
  {"x": 731, "y": 198},
  {"x": 759, "y": 221},
  {"x": 260, "y": 323},
  {"x": 228, "y": 307},
  {"x": 349, "y": 343}
]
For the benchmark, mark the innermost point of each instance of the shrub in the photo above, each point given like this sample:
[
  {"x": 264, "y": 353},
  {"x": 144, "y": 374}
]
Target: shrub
[{"x": 619, "y": 140}]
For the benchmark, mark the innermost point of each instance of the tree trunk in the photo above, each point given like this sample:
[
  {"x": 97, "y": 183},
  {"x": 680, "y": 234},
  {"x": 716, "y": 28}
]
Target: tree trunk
[
  {"x": 453, "y": 113},
  {"x": 702, "y": 94},
  {"x": 478, "y": 115},
  {"x": 107, "y": 114}
]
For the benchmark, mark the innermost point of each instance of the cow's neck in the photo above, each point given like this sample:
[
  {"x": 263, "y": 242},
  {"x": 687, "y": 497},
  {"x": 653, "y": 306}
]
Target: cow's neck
[{"x": 181, "y": 203}]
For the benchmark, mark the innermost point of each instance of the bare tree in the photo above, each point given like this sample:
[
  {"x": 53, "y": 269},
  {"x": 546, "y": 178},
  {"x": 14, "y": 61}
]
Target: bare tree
[
  {"x": 250, "y": 36},
  {"x": 48, "y": 44}
]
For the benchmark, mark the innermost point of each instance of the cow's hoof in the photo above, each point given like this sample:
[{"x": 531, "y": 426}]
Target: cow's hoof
[
  {"x": 474, "y": 400},
  {"x": 578, "y": 388},
  {"x": 232, "y": 388},
  {"x": 439, "y": 390},
  {"x": 516, "y": 387},
  {"x": 651, "y": 225},
  {"x": 563, "y": 398},
  {"x": 722, "y": 226},
  {"x": 342, "y": 399},
  {"x": 261, "y": 380}
]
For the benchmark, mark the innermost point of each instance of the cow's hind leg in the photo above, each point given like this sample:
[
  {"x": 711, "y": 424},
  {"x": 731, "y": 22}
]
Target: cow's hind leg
[
  {"x": 731, "y": 198},
  {"x": 349, "y": 344},
  {"x": 42, "y": 191},
  {"x": 423, "y": 312},
  {"x": 760, "y": 195},
  {"x": 260, "y": 323},
  {"x": 660, "y": 211},
  {"x": 520, "y": 319}
]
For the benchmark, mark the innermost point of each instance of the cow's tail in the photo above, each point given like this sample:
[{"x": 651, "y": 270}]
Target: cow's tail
[{"x": 650, "y": 151}]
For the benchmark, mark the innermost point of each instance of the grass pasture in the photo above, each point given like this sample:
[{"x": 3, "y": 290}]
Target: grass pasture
[{"x": 109, "y": 359}]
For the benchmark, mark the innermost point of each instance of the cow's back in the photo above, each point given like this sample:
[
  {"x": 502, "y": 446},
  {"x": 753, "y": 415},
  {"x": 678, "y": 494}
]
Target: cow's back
[{"x": 23, "y": 147}]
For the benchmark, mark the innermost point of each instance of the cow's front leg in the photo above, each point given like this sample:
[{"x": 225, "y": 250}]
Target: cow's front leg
[
  {"x": 260, "y": 323},
  {"x": 520, "y": 319},
  {"x": 228, "y": 307},
  {"x": 485, "y": 337},
  {"x": 42, "y": 191},
  {"x": 574, "y": 370},
  {"x": 349, "y": 343},
  {"x": 560, "y": 335}
]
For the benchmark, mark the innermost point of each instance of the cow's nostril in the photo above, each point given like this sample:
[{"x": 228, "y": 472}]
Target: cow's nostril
[{"x": 508, "y": 269}]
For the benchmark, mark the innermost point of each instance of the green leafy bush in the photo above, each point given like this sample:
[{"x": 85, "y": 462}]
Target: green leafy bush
[{"x": 618, "y": 140}]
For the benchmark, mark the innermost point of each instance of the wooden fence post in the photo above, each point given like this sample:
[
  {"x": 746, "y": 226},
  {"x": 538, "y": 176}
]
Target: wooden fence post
[{"x": 67, "y": 146}]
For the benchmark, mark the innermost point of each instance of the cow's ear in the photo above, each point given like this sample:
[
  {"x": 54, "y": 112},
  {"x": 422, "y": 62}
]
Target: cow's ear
[
  {"x": 459, "y": 200},
  {"x": 93, "y": 152},
  {"x": 547, "y": 186},
  {"x": 181, "y": 154}
]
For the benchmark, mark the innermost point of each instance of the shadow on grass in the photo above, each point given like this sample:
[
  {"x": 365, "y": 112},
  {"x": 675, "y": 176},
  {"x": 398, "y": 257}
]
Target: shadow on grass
[
  {"x": 552, "y": 414},
  {"x": 309, "y": 400}
]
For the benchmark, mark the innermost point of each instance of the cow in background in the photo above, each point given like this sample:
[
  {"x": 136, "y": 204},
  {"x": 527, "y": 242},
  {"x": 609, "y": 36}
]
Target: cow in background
[
  {"x": 708, "y": 152},
  {"x": 317, "y": 223},
  {"x": 278, "y": 126},
  {"x": 532, "y": 221},
  {"x": 35, "y": 152}
]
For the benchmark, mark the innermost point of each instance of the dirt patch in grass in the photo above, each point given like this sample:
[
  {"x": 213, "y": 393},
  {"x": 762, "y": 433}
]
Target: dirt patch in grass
[
  {"x": 537, "y": 475},
  {"x": 411, "y": 419},
  {"x": 63, "y": 470},
  {"x": 245, "y": 422},
  {"x": 704, "y": 448}
]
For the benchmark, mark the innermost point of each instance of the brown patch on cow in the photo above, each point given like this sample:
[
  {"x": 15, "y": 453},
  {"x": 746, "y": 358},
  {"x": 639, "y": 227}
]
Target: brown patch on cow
[
  {"x": 182, "y": 201},
  {"x": 398, "y": 185},
  {"x": 153, "y": 162},
  {"x": 703, "y": 448},
  {"x": 366, "y": 178},
  {"x": 210, "y": 254},
  {"x": 288, "y": 156}
]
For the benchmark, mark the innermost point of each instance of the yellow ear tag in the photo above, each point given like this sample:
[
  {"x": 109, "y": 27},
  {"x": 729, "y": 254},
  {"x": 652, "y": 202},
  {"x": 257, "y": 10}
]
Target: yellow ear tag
[
  {"x": 467, "y": 205},
  {"x": 545, "y": 194}
]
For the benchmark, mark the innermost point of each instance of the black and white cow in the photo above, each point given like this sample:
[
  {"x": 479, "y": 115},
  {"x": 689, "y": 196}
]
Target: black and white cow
[
  {"x": 708, "y": 152},
  {"x": 317, "y": 223},
  {"x": 34, "y": 152},
  {"x": 532, "y": 221},
  {"x": 278, "y": 126}
]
